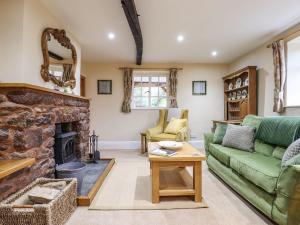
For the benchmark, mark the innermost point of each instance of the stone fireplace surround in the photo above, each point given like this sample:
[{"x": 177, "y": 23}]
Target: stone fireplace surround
[{"x": 28, "y": 115}]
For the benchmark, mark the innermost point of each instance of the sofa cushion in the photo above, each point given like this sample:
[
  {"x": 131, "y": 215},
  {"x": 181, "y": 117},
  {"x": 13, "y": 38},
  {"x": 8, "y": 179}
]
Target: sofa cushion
[
  {"x": 240, "y": 137},
  {"x": 263, "y": 148},
  {"x": 223, "y": 153},
  {"x": 259, "y": 169},
  {"x": 252, "y": 121},
  {"x": 278, "y": 152},
  {"x": 163, "y": 137},
  {"x": 291, "y": 151},
  {"x": 219, "y": 133},
  {"x": 280, "y": 130}
]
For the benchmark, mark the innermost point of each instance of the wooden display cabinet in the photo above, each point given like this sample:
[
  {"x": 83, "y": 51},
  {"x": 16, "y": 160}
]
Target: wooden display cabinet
[{"x": 240, "y": 94}]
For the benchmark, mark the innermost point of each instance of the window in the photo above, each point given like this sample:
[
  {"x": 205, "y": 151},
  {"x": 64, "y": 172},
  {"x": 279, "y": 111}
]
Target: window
[
  {"x": 150, "y": 90},
  {"x": 293, "y": 73}
]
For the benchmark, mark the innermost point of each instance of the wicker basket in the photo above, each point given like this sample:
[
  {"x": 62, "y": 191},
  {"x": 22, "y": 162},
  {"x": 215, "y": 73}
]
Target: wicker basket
[{"x": 55, "y": 212}]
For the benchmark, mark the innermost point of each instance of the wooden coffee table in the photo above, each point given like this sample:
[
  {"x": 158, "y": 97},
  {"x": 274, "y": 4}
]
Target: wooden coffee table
[{"x": 170, "y": 177}]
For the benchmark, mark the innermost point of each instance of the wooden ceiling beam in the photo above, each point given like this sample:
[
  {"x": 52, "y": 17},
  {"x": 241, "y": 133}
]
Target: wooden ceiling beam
[{"x": 133, "y": 21}]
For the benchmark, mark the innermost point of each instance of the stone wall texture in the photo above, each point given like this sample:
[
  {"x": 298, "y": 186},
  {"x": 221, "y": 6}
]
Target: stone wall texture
[{"x": 27, "y": 129}]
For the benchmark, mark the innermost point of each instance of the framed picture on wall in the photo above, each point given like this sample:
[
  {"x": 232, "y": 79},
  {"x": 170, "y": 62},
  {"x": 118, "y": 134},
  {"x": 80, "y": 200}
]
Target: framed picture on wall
[
  {"x": 199, "y": 87},
  {"x": 104, "y": 87}
]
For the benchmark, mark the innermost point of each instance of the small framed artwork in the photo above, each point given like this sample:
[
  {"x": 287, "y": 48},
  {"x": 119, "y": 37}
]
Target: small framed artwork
[
  {"x": 104, "y": 87},
  {"x": 199, "y": 87}
]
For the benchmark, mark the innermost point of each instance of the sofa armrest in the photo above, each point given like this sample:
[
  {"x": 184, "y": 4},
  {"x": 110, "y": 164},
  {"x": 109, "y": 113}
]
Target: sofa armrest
[
  {"x": 208, "y": 139},
  {"x": 288, "y": 193},
  {"x": 154, "y": 131},
  {"x": 182, "y": 134}
]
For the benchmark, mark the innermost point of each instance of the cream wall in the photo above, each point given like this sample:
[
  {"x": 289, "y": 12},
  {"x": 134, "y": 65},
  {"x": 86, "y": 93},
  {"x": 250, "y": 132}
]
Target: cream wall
[
  {"x": 24, "y": 22},
  {"x": 11, "y": 40},
  {"x": 112, "y": 125},
  {"x": 262, "y": 58}
]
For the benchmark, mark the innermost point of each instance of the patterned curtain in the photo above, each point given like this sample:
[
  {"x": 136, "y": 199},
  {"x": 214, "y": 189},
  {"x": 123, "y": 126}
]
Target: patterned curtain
[
  {"x": 126, "y": 106},
  {"x": 279, "y": 75},
  {"x": 67, "y": 72},
  {"x": 173, "y": 88}
]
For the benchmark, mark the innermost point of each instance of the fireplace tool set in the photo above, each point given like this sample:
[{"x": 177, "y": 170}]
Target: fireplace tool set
[{"x": 94, "y": 154}]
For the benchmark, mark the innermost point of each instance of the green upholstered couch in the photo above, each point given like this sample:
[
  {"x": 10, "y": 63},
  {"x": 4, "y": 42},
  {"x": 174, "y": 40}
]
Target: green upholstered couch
[{"x": 258, "y": 176}]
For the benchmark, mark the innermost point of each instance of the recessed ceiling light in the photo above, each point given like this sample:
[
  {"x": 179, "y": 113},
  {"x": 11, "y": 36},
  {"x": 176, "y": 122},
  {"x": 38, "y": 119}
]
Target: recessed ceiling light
[
  {"x": 214, "y": 53},
  {"x": 111, "y": 36},
  {"x": 180, "y": 38}
]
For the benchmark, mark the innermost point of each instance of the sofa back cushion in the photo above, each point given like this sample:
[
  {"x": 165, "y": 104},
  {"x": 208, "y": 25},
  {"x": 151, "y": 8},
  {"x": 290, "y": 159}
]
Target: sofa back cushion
[
  {"x": 280, "y": 130},
  {"x": 263, "y": 148},
  {"x": 240, "y": 137},
  {"x": 252, "y": 121},
  {"x": 219, "y": 133}
]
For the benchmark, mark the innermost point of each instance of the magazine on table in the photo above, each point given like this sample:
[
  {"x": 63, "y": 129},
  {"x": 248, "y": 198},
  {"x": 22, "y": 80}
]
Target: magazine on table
[{"x": 162, "y": 152}]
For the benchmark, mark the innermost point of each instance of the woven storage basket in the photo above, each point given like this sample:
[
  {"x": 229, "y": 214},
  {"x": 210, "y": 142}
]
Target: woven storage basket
[{"x": 55, "y": 212}]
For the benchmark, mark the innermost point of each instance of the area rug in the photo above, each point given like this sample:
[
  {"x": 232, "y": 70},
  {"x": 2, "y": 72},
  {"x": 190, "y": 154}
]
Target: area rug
[{"x": 128, "y": 186}]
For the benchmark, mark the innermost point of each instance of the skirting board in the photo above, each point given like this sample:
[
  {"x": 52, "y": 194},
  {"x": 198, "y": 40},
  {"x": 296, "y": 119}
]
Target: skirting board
[{"x": 117, "y": 145}]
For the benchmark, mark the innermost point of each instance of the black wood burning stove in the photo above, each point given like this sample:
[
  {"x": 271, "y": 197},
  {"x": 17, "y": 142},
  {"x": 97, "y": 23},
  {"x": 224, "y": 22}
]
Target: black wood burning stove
[{"x": 64, "y": 147}]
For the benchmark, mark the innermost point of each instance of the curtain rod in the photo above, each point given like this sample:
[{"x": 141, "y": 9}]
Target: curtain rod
[
  {"x": 285, "y": 37},
  {"x": 139, "y": 68}
]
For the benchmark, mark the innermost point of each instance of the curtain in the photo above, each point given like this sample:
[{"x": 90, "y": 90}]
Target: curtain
[
  {"x": 279, "y": 75},
  {"x": 126, "y": 106},
  {"x": 67, "y": 72},
  {"x": 173, "y": 88}
]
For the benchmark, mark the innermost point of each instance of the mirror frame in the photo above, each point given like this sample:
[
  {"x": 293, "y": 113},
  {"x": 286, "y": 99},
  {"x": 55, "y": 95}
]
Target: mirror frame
[{"x": 60, "y": 36}]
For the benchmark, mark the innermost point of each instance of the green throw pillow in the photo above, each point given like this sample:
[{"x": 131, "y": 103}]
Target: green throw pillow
[
  {"x": 278, "y": 152},
  {"x": 263, "y": 148},
  {"x": 219, "y": 133}
]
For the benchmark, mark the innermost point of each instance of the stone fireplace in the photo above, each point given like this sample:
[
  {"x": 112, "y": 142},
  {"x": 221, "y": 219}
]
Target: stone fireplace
[{"x": 29, "y": 118}]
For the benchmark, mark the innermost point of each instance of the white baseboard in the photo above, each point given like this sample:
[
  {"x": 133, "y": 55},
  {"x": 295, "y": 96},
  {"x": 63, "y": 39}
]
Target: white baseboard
[{"x": 119, "y": 145}]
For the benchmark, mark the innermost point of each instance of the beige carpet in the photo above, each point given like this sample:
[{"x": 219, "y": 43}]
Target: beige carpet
[{"x": 128, "y": 186}]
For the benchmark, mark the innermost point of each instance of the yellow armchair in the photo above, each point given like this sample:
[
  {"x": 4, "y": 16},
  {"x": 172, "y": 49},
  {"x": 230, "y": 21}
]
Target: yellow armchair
[{"x": 157, "y": 133}]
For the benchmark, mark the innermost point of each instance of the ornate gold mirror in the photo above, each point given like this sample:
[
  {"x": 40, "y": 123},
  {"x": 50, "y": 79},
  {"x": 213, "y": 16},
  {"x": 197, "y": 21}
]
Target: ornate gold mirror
[{"x": 60, "y": 58}]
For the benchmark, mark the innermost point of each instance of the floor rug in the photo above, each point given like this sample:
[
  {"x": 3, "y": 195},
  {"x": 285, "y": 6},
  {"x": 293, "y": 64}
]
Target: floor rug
[{"x": 128, "y": 186}]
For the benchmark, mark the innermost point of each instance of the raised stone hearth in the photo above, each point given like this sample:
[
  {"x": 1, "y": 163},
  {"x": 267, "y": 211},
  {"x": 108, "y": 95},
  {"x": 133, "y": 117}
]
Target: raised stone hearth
[{"x": 28, "y": 115}]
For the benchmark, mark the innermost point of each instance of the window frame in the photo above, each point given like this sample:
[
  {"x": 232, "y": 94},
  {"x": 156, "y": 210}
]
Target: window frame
[
  {"x": 147, "y": 73},
  {"x": 291, "y": 38}
]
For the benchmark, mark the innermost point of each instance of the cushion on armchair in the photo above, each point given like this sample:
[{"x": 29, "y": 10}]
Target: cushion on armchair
[{"x": 175, "y": 125}]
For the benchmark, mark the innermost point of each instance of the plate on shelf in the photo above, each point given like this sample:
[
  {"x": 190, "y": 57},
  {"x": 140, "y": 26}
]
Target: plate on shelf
[
  {"x": 230, "y": 87},
  {"x": 246, "y": 82},
  {"x": 173, "y": 145},
  {"x": 233, "y": 96},
  {"x": 239, "y": 95},
  {"x": 244, "y": 94},
  {"x": 238, "y": 83}
]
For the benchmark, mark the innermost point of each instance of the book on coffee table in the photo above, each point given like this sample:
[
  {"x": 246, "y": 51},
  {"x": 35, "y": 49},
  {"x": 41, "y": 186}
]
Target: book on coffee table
[{"x": 162, "y": 152}]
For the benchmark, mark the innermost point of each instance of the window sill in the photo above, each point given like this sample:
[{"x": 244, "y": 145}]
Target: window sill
[
  {"x": 293, "y": 106},
  {"x": 149, "y": 108}
]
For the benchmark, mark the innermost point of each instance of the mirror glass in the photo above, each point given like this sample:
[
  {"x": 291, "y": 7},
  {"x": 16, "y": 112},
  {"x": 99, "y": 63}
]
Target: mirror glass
[{"x": 60, "y": 60}]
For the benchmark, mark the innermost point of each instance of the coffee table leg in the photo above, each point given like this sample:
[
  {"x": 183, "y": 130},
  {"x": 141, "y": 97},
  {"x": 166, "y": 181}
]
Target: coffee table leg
[
  {"x": 197, "y": 176},
  {"x": 155, "y": 182}
]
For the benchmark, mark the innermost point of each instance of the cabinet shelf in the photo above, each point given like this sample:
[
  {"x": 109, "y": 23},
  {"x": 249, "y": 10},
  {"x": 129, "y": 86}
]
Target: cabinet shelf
[
  {"x": 236, "y": 89},
  {"x": 10, "y": 166}
]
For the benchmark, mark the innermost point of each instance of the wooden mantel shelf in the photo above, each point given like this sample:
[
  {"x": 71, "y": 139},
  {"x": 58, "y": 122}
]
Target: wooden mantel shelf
[
  {"x": 10, "y": 166},
  {"x": 39, "y": 88}
]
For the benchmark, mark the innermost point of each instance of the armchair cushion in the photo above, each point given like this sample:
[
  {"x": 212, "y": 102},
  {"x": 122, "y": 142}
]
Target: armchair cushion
[
  {"x": 175, "y": 125},
  {"x": 163, "y": 137}
]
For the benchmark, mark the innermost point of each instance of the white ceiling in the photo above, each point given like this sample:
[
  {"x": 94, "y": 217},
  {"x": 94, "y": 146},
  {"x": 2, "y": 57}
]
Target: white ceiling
[{"x": 232, "y": 27}]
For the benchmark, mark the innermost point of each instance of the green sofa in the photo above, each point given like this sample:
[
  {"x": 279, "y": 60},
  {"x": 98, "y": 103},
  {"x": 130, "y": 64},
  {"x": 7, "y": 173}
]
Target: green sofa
[{"x": 258, "y": 176}]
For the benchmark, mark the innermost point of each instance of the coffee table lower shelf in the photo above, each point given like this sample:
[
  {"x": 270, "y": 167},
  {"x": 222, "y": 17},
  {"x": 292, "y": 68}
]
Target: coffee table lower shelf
[{"x": 175, "y": 181}]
